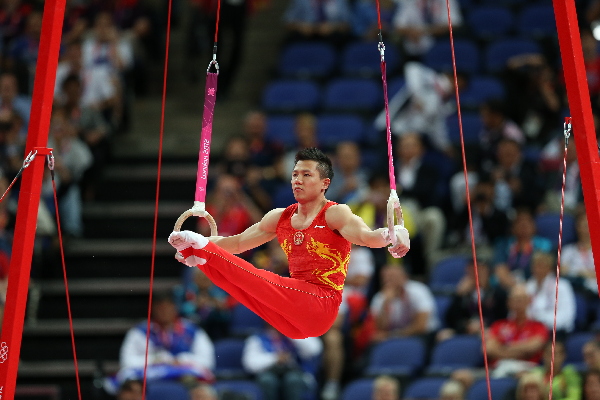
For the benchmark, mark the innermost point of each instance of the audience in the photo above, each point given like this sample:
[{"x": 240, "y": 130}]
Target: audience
[
  {"x": 327, "y": 19},
  {"x": 531, "y": 386},
  {"x": 591, "y": 354},
  {"x": 452, "y": 390},
  {"x": 279, "y": 363},
  {"x": 566, "y": 382},
  {"x": 351, "y": 180},
  {"x": 591, "y": 385},
  {"x": 130, "y": 390},
  {"x": 386, "y": 388},
  {"x": 203, "y": 391}
]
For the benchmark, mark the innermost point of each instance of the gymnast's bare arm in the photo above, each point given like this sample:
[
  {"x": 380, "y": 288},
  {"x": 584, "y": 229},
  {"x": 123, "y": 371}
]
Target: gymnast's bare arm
[{"x": 256, "y": 235}]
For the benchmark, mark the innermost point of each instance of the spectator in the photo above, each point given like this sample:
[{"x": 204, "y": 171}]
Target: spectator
[
  {"x": 305, "y": 129},
  {"x": 177, "y": 348},
  {"x": 386, "y": 388},
  {"x": 452, "y": 390},
  {"x": 203, "y": 391},
  {"x": 13, "y": 14},
  {"x": 420, "y": 22},
  {"x": 515, "y": 344},
  {"x": 496, "y": 126},
  {"x": 592, "y": 65},
  {"x": 517, "y": 181},
  {"x": 12, "y": 144},
  {"x": 531, "y": 387},
  {"x": 552, "y": 161},
  {"x": 542, "y": 288},
  {"x": 422, "y": 105},
  {"x": 577, "y": 260},
  {"x": 278, "y": 361},
  {"x": 351, "y": 183},
  {"x": 72, "y": 158},
  {"x": 591, "y": 354},
  {"x": 489, "y": 223},
  {"x": 566, "y": 383},
  {"x": 327, "y": 19},
  {"x": 402, "y": 307},
  {"x": 23, "y": 51},
  {"x": 462, "y": 316},
  {"x": 11, "y": 100},
  {"x": 364, "y": 19},
  {"x": 202, "y": 302},
  {"x": 263, "y": 152},
  {"x": 512, "y": 256},
  {"x": 130, "y": 390},
  {"x": 417, "y": 180},
  {"x": 591, "y": 385}
]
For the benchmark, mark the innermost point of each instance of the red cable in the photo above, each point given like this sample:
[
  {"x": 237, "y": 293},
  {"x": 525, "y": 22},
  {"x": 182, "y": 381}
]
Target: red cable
[
  {"x": 160, "y": 151},
  {"x": 464, "y": 161},
  {"x": 64, "y": 268},
  {"x": 217, "y": 23},
  {"x": 560, "y": 232}
]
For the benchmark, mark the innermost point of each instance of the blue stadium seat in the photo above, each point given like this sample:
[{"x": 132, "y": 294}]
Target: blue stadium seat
[
  {"x": 161, "y": 390},
  {"x": 442, "y": 304},
  {"x": 360, "y": 389},
  {"x": 228, "y": 355},
  {"x": 574, "y": 347},
  {"x": 537, "y": 21},
  {"x": 481, "y": 89},
  {"x": 332, "y": 129},
  {"x": 307, "y": 60},
  {"x": 471, "y": 124},
  {"x": 447, "y": 273},
  {"x": 439, "y": 57},
  {"x": 424, "y": 389},
  {"x": 581, "y": 311},
  {"x": 499, "y": 387},
  {"x": 291, "y": 96},
  {"x": 548, "y": 225},
  {"x": 362, "y": 59},
  {"x": 245, "y": 322},
  {"x": 281, "y": 129},
  {"x": 490, "y": 22},
  {"x": 283, "y": 196},
  {"x": 462, "y": 351},
  {"x": 248, "y": 388},
  {"x": 353, "y": 95},
  {"x": 385, "y": 359},
  {"x": 394, "y": 85},
  {"x": 499, "y": 52}
]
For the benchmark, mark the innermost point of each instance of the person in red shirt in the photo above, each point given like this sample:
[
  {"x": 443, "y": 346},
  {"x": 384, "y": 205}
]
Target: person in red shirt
[{"x": 315, "y": 234}]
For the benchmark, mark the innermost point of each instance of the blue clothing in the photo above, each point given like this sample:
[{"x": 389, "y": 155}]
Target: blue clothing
[
  {"x": 316, "y": 11},
  {"x": 179, "y": 340},
  {"x": 519, "y": 262}
]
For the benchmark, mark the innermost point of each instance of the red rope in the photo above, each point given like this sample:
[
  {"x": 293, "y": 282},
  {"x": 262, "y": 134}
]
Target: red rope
[
  {"x": 471, "y": 230},
  {"x": 64, "y": 268},
  {"x": 560, "y": 232},
  {"x": 160, "y": 151},
  {"x": 217, "y": 23}
]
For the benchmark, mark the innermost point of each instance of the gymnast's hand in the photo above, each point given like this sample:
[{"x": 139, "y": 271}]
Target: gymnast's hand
[
  {"x": 185, "y": 239},
  {"x": 403, "y": 241}
]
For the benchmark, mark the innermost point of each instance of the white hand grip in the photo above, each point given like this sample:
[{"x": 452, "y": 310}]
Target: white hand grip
[{"x": 394, "y": 209}]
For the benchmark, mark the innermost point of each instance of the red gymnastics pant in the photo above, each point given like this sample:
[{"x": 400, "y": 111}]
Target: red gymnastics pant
[{"x": 296, "y": 308}]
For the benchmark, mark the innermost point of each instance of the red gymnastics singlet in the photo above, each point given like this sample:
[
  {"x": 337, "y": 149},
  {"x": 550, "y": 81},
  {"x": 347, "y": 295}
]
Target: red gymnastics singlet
[{"x": 315, "y": 254}]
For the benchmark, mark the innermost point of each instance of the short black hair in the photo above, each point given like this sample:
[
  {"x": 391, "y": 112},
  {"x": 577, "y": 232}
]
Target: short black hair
[{"x": 324, "y": 165}]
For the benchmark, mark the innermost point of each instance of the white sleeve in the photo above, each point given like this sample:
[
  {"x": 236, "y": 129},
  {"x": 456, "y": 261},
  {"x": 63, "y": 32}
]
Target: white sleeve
[
  {"x": 376, "y": 304},
  {"x": 255, "y": 358},
  {"x": 309, "y": 347},
  {"x": 126, "y": 53},
  {"x": 407, "y": 14},
  {"x": 565, "y": 314},
  {"x": 421, "y": 297},
  {"x": 203, "y": 352},
  {"x": 133, "y": 349}
]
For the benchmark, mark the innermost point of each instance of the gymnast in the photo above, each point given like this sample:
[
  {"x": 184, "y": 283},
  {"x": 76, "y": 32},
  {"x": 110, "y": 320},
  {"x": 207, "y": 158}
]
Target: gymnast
[{"x": 316, "y": 235}]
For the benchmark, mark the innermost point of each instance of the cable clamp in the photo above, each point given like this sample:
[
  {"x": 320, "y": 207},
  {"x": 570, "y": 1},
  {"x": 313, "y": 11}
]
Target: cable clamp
[
  {"x": 568, "y": 128},
  {"x": 381, "y": 48},
  {"x": 50, "y": 158},
  {"x": 30, "y": 157}
]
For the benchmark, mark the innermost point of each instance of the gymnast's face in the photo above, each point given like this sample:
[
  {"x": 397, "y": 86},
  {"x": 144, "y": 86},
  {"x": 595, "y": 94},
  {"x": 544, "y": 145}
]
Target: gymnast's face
[{"x": 307, "y": 183}]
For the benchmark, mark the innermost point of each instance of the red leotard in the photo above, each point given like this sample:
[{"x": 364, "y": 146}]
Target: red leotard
[{"x": 306, "y": 304}]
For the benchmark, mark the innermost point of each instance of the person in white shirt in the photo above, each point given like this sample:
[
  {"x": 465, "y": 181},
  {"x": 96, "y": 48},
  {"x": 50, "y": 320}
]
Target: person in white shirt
[
  {"x": 577, "y": 260},
  {"x": 177, "y": 348},
  {"x": 277, "y": 360},
  {"x": 542, "y": 289},
  {"x": 402, "y": 307}
]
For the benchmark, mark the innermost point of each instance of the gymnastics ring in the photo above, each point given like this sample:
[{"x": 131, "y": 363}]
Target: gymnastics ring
[
  {"x": 394, "y": 209},
  {"x": 198, "y": 211}
]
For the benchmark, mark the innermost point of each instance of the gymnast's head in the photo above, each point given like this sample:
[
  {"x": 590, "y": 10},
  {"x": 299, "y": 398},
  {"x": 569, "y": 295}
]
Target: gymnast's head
[{"x": 312, "y": 160}]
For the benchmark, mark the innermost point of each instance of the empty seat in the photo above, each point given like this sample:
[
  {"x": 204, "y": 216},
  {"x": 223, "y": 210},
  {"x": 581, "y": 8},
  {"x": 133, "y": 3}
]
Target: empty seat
[
  {"x": 161, "y": 390},
  {"x": 397, "y": 357},
  {"x": 447, "y": 273},
  {"x": 363, "y": 59},
  {"x": 307, "y": 60},
  {"x": 537, "y": 21},
  {"x": 480, "y": 89},
  {"x": 424, "y": 389},
  {"x": 360, "y": 389},
  {"x": 281, "y": 129},
  {"x": 228, "y": 355},
  {"x": 332, "y": 129},
  {"x": 442, "y": 303},
  {"x": 499, "y": 387},
  {"x": 490, "y": 22},
  {"x": 439, "y": 57},
  {"x": 291, "y": 96},
  {"x": 462, "y": 351},
  {"x": 548, "y": 226},
  {"x": 244, "y": 321},
  {"x": 363, "y": 95},
  {"x": 499, "y": 52}
]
